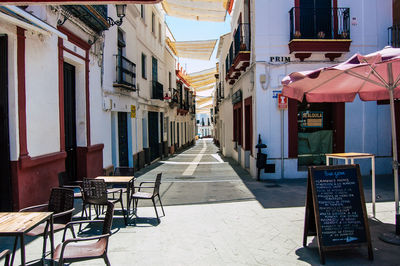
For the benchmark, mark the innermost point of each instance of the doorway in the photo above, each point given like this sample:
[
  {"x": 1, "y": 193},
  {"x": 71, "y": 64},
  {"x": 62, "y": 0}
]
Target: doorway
[
  {"x": 320, "y": 128},
  {"x": 123, "y": 139},
  {"x": 5, "y": 178},
  {"x": 248, "y": 125},
  {"x": 315, "y": 17},
  {"x": 177, "y": 134},
  {"x": 153, "y": 136},
  {"x": 70, "y": 121}
]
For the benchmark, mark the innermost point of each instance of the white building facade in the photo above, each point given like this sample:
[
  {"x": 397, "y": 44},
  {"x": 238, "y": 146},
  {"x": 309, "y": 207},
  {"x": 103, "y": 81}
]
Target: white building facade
[{"x": 271, "y": 39}]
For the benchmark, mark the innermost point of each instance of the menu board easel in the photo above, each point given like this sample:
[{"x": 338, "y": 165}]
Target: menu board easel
[{"x": 335, "y": 209}]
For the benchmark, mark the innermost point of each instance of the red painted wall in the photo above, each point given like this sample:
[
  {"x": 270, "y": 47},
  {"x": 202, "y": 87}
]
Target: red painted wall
[
  {"x": 33, "y": 178},
  {"x": 90, "y": 161}
]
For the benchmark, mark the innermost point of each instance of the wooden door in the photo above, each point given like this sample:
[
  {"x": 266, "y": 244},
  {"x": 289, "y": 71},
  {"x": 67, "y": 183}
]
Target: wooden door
[
  {"x": 5, "y": 177},
  {"x": 315, "y": 16},
  {"x": 70, "y": 121},
  {"x": 123, "y": 139},
  {"x": 153, "y": 135}
]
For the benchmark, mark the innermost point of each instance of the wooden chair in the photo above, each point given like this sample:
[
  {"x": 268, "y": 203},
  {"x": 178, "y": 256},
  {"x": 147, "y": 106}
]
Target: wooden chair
[
  {"x": 136, "y": 196},
  {"x": 6, "y": 255},
  {"x": 61, "y": 203},
  {"x": 83, "y": 248},
  {"x": 95, "y": 193}
]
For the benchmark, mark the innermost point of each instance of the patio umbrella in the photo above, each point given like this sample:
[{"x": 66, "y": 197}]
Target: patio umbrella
[{"x": 373, "y": 77}]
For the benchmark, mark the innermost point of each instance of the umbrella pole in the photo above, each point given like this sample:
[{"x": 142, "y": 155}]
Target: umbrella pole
[
  {"x": 394, "y": 147},
  {"x": 395, "y": 160},
  {"x": 393, "y": 238}
]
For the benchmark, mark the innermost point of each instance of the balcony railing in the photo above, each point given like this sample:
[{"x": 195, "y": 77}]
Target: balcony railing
[
  {"x": 175, "y": 95},
  {"x": 319, "y": 23},
  {"x": 242, "y": 38},
  {"x": 157, "y": 91},
  {"x": 125, "y": 73},
  {"x": 394, "y": 36},
  {"x": 94, "y": 16}
]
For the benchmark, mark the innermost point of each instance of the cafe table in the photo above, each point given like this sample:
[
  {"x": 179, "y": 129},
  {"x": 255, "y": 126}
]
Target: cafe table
[
  {"x": 121, "y": 180},
  {"x": 351, "y": 156},
  {"x": 19, "y": 223}
]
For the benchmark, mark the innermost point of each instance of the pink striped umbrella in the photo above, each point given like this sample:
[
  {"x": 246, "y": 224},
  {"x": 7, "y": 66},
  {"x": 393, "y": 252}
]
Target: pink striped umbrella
[{"x": 373, "y": 77}]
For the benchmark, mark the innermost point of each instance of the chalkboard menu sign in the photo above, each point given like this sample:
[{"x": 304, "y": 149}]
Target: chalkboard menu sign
[{"x": 335, "y": 209}]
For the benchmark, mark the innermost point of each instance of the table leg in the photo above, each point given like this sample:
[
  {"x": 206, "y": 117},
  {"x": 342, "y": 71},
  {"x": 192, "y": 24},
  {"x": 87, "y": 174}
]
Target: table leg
[
  {"x": 373, "y": 185},
  {"x": 346, "y": 161},
  {"x": 327, "y": 160},
  {"x": 14, "y": 250},
  {"x": 352, "y": 161},
  {"x": 22, "y": 249}
]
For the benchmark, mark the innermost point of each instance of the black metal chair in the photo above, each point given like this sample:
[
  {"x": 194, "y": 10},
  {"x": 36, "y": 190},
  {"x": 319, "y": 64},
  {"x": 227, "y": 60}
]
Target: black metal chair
[
  {"x": 75, "y": 185},
  {"x": 95, "y": 193},
  {"x": 136, "y": 196},
  {"x": 61, "y": 203},
  {"x": 6, "y": 255},
  {"x": 83, "y": 248}
]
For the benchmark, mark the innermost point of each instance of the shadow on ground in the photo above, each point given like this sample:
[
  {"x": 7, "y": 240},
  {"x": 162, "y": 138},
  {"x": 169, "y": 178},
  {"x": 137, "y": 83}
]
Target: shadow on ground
[
  {"x": 284, "y": 193},
  {"x": 384, "y": 253}
]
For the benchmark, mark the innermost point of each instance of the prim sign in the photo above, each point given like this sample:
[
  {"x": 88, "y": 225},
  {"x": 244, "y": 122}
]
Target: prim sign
[
  {"x": 77, "y": 2},
  {"x": 279, "y": 59}
]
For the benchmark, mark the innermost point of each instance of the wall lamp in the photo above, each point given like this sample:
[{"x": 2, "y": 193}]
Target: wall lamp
[{"x": 121, "y": 11}]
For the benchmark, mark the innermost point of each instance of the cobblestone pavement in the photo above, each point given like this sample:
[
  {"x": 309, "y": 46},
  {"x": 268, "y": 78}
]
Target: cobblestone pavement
[{"x": 216, "y": 214}]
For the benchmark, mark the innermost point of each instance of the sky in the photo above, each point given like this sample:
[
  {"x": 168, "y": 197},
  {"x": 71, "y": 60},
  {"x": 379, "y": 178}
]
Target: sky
[{"x": 192, "y": 30}]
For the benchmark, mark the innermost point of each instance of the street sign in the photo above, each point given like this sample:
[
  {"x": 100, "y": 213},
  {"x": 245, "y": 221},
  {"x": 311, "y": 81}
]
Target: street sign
[
  {"x": 133, "y": 111},
  {"x": 282, "y": 102},
  {"x": 77, "y": 2}
]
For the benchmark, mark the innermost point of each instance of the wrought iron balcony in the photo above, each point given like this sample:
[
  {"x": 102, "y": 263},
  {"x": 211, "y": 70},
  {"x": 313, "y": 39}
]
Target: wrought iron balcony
[
  {"x": 238, "y": 58},
  {"x": 94, "y": 16},
  {"x": 319, "y": 23},
  {"x": 125, "y": 73},
  {"x": 175, "y": 95},
  {"x": 157, "y": 91},
  {"x": 242, "y": 38},
  {"x": 394, "y": 36},
  {"x": 313, "y": 29}
]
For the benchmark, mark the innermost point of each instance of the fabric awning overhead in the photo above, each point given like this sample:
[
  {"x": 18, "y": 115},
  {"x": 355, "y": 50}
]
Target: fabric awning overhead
[
  {"x": 193, "y": 49},
  {"x": 203, "y": 81},
  {"x": 201, "y": 10}
]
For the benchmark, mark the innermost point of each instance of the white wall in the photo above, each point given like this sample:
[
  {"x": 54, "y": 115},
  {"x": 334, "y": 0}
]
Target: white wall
[{"x": 42, "y": 103}]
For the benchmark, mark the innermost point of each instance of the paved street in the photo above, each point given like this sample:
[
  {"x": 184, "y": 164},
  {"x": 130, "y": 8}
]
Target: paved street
[{"x": 216, "y": 214}]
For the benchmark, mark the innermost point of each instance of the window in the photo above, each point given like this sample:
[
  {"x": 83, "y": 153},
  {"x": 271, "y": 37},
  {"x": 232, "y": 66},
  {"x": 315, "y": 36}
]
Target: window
[
  {"x": 159, "y": 31},
  {"x": 169, "y": 80},
  {"x": 153, "y": 17},
  {"x": 144, "y": 73},
  {"x": 154, "y": 68},
  {"x": 142, "y": 10}
]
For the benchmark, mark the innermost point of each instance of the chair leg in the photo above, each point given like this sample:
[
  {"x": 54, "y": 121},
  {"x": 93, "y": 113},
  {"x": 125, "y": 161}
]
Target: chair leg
[
  {"x": 155, "y": 208},
  {"x": 162, "y": 208},
  {"x": 106, "y": 260},
  {"x": 125, "y": 214},
  {"x": 45, "y": 241}
]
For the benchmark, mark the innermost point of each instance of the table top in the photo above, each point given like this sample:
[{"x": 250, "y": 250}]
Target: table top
[
  {"x": 349, "y": 154},
  {"x": 21, "y": 222},
  {"x": 116, "y": 179}
]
